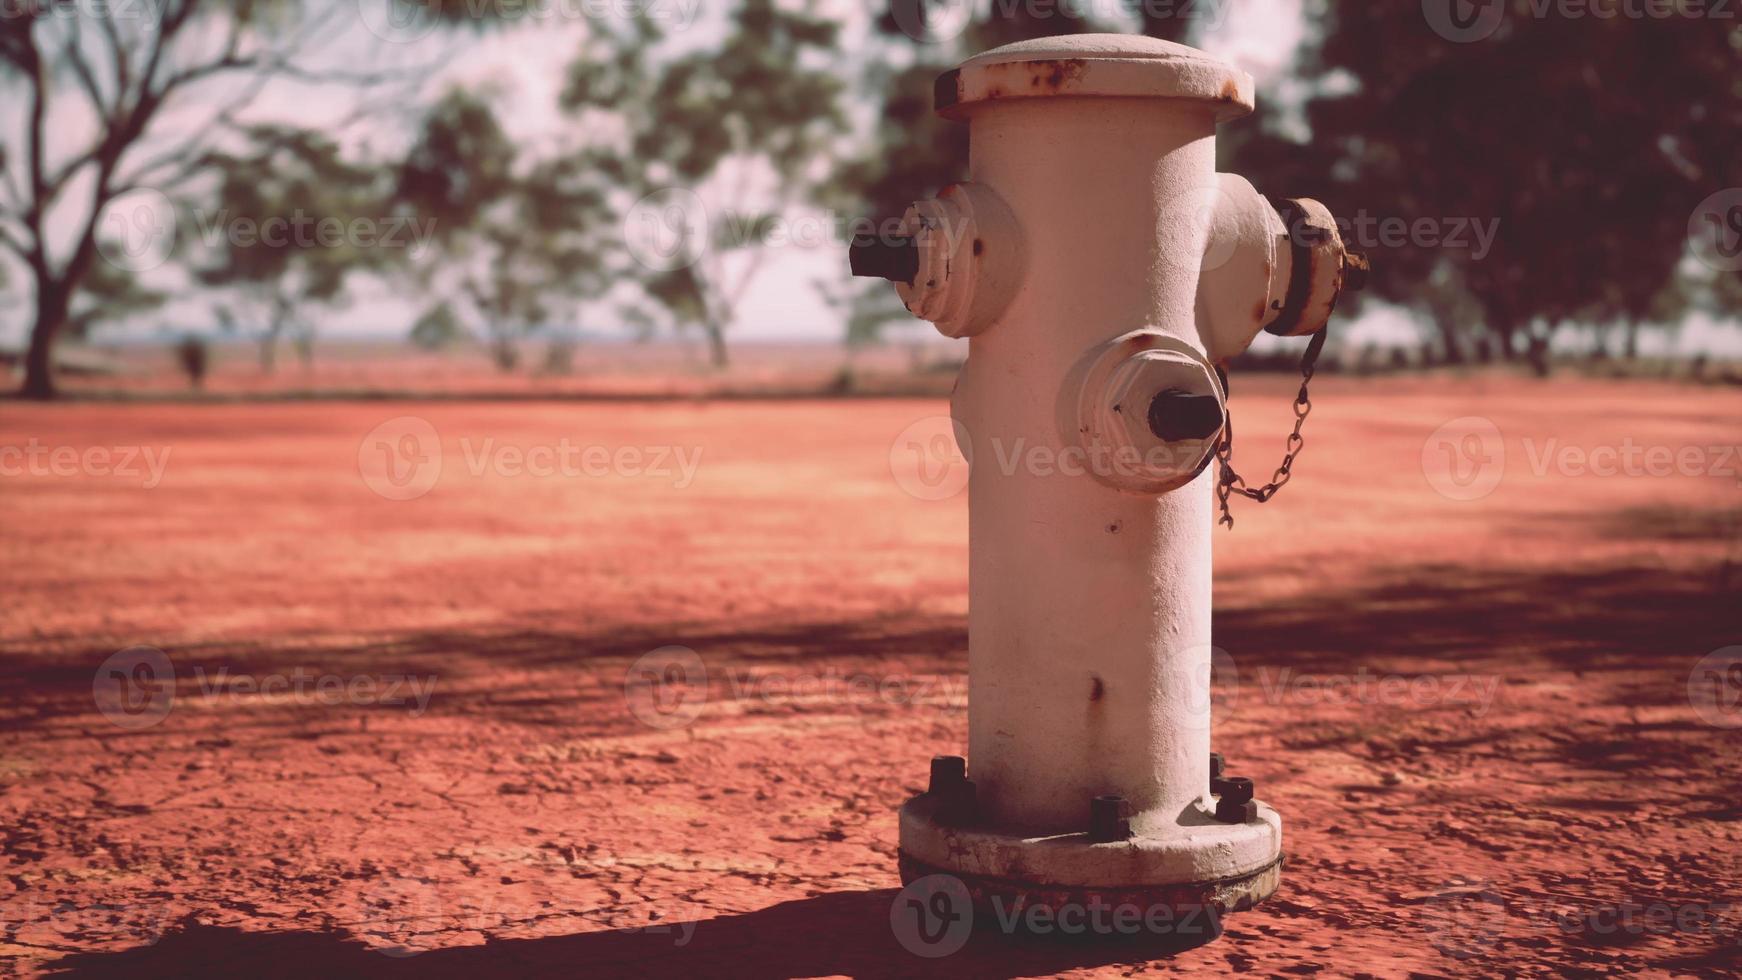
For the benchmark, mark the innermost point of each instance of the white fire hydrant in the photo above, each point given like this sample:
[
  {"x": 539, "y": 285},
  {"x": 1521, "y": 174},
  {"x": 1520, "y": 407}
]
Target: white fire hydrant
[{"x": 1103, "y": 270}]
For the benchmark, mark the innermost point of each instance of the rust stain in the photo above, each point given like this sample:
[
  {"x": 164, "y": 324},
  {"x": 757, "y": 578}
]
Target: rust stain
[
  {"x": 1050, "y": 73},
  {"x": 1020, "y": 78},
  {"x": 947, "y": 90},
  {"x": 1231, "y": 91}
]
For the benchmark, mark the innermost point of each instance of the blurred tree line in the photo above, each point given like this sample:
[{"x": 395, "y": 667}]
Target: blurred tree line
[{"x": 1591, "y": 141}]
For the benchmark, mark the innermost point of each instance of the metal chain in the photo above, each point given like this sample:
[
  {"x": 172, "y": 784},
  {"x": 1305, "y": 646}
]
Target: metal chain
[{"x": 1232, "y": 482}]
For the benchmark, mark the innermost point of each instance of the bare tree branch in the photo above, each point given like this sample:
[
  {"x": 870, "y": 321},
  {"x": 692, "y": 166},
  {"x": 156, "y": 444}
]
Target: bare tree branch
[
  {"x": 118, "y": 58},
  {"x": 73, "y": 52},
  {"x": 12, "y": 242}
]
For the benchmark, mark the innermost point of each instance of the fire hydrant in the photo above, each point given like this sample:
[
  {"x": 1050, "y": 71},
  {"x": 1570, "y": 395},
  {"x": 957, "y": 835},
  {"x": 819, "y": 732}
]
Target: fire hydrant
[{"x": 1103, "y": 271}]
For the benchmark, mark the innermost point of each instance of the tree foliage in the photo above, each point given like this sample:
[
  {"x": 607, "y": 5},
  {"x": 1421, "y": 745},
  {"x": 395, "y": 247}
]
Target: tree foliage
[
  {"x": 753, "y": 118},
  {"x": 275, "y": 272},
  {"x": 516, "y": 240},
  {"x": 1590, "y": 139}
]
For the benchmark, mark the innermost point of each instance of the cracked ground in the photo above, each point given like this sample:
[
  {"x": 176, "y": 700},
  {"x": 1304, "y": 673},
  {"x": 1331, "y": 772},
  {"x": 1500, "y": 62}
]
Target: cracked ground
[{"x": 407, "y": 737}]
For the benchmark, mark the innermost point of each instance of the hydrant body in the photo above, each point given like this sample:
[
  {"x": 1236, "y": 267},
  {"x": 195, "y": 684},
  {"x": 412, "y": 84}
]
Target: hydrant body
[{"x": 1103, "y": 271}]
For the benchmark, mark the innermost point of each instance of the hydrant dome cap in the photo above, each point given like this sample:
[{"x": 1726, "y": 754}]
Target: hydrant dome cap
[{"x": 1119, "y": 65}]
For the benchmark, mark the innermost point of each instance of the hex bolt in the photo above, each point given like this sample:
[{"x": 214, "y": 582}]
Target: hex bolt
[
  {"x": 894, "y": 258},
  {"x": 947, "y": 772},
  {"x": 1176, "y": 415},
  {"x": 1109, "y": 819},
  {"x": 958, "y": 801},
  {"x": 1231, "y": 812},
  {"x": 1217, "y": 766}
]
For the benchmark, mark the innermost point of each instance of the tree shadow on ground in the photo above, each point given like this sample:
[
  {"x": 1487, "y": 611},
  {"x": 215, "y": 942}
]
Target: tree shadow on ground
[
  {"x": 836, "y": 934},
  {"x": 1405, "y": 620}
]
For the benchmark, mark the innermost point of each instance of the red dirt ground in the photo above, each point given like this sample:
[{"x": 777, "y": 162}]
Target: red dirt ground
[{"x": 526, "y": 821}]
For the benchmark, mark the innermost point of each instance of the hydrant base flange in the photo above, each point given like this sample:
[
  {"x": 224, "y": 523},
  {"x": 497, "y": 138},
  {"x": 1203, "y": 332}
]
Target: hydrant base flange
[
  {"x": 1229, "y": 866},
  {"x": 1000, "y": 897}
]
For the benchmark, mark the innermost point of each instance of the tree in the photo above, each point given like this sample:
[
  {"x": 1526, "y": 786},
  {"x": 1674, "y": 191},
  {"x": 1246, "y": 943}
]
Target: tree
[
  {"x": 514, "y": 240},
  {"x": 754, "y": 116},
  {"x": 118, "y": 67},
  {"x": 1589, "y": 139},
  {"x": 325, "y": 220}
]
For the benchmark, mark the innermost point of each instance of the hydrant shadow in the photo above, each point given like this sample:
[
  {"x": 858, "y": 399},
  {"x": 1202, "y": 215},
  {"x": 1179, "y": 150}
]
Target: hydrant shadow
[{"x": 845, "y": 933}]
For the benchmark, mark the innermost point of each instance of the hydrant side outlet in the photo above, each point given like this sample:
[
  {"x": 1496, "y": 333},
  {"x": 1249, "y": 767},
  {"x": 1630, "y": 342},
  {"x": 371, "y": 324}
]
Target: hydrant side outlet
[{"x": 1103, "y": 271}]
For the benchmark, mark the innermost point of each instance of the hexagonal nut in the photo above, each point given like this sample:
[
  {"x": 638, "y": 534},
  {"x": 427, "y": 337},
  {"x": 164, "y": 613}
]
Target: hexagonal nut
[
  {"x": 1124, "y": 450},
  {"x": 1227, "y": 811}
]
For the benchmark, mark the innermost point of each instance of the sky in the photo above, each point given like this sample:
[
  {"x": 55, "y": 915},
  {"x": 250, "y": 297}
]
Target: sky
[{"x": 525, "y": 66}]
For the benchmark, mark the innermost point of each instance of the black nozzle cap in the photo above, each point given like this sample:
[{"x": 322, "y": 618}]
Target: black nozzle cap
[
  {"x": 895, "y": 259},
  {"x": 1177, "y": 415}
]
